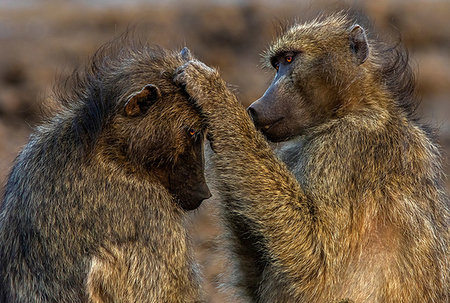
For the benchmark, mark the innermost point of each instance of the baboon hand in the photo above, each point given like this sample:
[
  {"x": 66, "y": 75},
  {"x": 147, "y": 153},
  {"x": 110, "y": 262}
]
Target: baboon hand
[{"x": 201, "y": 82}]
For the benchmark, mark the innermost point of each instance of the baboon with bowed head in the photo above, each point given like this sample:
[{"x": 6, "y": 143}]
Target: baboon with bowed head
[
  {"x": 94, "y": 207},
  {"x": 363, "y": 217}
]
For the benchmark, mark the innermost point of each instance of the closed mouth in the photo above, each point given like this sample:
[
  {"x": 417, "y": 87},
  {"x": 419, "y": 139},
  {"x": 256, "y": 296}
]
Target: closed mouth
[{"x": 267, "y": 127}]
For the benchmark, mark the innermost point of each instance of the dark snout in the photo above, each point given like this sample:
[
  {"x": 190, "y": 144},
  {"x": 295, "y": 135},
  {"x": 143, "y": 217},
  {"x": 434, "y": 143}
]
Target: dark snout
[
  {"x": 269, "y": 115},
  {"x": 253, "y": 113},
  {"x": 198, "y": 193},
  {"x": 257, "y": 112},
  {"x": 264, "y": 113},
  {"x": 202, "y": 191},
  {"x": 277, "y": 113}
]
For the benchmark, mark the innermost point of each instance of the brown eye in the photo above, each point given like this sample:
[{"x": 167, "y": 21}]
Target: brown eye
[
  {"x": 191, "y": 132},
  {"x": 277, "y": 66},
  {"x": 288, "y": 59}
]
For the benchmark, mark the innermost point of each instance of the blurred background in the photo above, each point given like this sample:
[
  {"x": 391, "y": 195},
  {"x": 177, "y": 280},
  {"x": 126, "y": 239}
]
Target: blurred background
[{"x": 42, "y": 42}]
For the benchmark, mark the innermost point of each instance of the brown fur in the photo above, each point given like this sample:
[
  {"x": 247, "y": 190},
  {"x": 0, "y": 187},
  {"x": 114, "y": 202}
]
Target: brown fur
[
  {"x": 360, "y": 215},
  {"x": 94, "y": 207}
]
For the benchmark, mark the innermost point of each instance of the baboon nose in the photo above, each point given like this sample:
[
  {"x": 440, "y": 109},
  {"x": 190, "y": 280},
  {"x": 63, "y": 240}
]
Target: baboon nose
[
  {"x": 203, "y": 191},
  {"x": 206, "y": 193},
  {"x": 252, "y": 113}
]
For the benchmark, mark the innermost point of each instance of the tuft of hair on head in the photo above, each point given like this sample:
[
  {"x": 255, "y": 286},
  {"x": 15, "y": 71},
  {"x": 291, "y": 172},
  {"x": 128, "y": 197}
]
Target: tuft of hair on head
[
  {"x": 398, "y": 77},
  {"x": 390, "y": 60},
  {"x": 91, "y": 94},
  {"x": 285, "y": 40}
]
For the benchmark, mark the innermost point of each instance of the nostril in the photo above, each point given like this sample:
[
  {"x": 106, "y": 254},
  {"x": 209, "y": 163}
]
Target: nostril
[{"x": 252, "y": 113}]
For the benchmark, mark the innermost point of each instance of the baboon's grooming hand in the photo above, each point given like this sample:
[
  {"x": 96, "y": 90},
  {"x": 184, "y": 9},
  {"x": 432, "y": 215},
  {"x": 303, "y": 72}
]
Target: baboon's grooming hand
[
  {"x": 195, "y": 73},
  {"x": 204, "y": 85},
  {"x": 229, "y": 125}
]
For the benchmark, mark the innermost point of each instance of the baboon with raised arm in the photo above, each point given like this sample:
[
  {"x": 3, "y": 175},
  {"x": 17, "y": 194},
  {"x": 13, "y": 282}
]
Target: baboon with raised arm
[
  {"x": 358, "y": 214},
  {"x": 94, "y": 207}
]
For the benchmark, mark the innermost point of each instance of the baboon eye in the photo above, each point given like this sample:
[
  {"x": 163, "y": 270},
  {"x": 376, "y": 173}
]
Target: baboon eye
[
  {"x": 192, "y": 132},
  {"x": 289, "y": 59}
]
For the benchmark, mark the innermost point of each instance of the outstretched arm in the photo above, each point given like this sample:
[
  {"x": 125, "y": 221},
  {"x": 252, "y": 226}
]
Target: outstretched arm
[{"x": 259, "y": 188}]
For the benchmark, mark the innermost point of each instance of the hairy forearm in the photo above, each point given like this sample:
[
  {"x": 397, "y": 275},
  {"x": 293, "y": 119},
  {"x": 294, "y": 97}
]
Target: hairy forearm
[
  {"x": 242, "y": 153},
  {"x": 262, "y": 190},
  {"x": 247, "y": 166}
]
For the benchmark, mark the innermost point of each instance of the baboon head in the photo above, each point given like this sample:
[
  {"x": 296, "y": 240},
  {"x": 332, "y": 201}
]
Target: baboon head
[
  {"x": 160, "y": 131},
  {"x": 315, "y": 65}
]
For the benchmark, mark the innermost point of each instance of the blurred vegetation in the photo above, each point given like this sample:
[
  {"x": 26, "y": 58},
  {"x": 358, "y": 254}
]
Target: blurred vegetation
[{"x": 42, "y": 42}]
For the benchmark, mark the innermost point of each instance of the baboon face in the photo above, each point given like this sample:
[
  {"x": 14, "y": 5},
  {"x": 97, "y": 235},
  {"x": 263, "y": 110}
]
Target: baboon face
[
  {"x": 165, "y": 135},
  {"x": 282, "y": 111},
  {"x": 186, "y": 179},
  {"x": 309, "y": 61}
]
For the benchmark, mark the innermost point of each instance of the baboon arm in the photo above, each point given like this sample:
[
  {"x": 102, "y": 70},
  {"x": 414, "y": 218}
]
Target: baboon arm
[{"x": 264, "y": 191}]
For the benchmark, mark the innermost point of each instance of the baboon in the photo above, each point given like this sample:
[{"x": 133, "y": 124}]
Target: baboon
[
  {"x": 363, "y": 216},
  {"x": 94, "y": 206}
]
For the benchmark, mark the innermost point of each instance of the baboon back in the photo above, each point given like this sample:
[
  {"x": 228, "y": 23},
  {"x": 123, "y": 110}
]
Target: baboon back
[{"x": 94, "y": 205}]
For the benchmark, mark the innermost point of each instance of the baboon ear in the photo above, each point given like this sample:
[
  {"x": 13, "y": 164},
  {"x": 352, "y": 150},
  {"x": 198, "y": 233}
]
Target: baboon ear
[
  {"x": 138, "y": 103},
  {"x": 358, "y": 43},
  {"x": 185, "y": 54}
]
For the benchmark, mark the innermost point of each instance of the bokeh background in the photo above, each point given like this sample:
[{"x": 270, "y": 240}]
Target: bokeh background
[{"x": 42, "y": 42}]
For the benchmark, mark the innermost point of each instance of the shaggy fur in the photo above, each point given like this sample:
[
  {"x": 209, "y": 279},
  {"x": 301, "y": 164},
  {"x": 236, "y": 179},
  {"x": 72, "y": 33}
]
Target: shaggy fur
[
  {"x": 358, "y": 214},
  {"x": 88, "y": 212}
]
